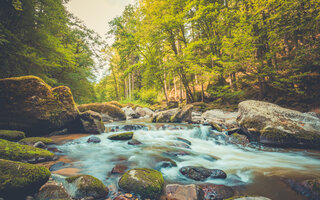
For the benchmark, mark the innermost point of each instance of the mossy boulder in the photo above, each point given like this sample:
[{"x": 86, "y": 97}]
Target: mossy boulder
[
  {"x": 115, "y": 103},
  {"x": 147, "y": 183},
  {"x": 32, "y": 140},
  {"x": 121, "y": 136},
  {"x": 88, "y": 186},
  {"x": 11, "y": 135},
  {"x": 108, "y": 111},
  {"x": 28, "y": 104},
  {"x": 20, "y": 179},
  {"x": 175, "y": 115},
  {"x": 91, "y": 122},
  {"x": 18, "y": 152},
  {"x": 273, "y": 125}
]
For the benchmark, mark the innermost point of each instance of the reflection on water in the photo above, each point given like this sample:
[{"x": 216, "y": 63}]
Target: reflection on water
[{"x": 247, "y": 167}]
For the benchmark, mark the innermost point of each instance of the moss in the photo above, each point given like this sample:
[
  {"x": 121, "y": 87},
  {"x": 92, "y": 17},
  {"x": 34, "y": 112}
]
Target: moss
[
  {"x": 109, "y": 109},
  {"x": 115, "y": 103},
  {"x": 18, "y": 152},
  {"x": 32, "y": 140},
  {"x": 88, "y": 186},
  {"x": 121, "y": 136},
  {"x": 19, "y": 179},
  {"x": 11, "y": 135},
  {"x": 143, "y": 181}
]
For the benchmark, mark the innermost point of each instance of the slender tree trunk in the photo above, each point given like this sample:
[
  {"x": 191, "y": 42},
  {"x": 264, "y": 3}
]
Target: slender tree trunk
[
  {"x": 175, "y": 88},
  {"x": 202, "y": 93},
  {"x": 115, "y": 85},
  {"x": 180, "y": 92}
]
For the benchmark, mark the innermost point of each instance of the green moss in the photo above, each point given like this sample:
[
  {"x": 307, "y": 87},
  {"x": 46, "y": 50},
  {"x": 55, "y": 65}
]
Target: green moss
[
  {"x": 18, "y": 152},
  {"x": 121, "y": 136},
  {"x": 11, "y": 135},
  {"x": 115, "y": 103},
  {"x": 88, "y": 186},
  {"x": 32, "y": 140},
  {"x": 109, "y": 109},
  {"x": 18, "y": 179},
  {"x": 143, "y": 181}
]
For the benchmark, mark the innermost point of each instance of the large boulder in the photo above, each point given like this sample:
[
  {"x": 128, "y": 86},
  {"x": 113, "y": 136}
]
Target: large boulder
[
  {"x": 188, "y": 192},
  {"x": 220, "y": 119},
  {"x": 143, "y": 181},
  {"x": 108, "y": 111},
  {"x": 309, "y": 188},
  {"x": 273, "y": 125},
  {"x": 91, "y": 122},
  {"x": 130, "y": 113},
  {"x": 88, "y": 186},
  {"x": 27, "y": 103},
  {"x": 18, "y": 180},
  {"x": 23, "y": 153},
  {"x": 175, "y": 115},
  {"x": 11, "y": 135},
  {"x": 144, "y": 112}
]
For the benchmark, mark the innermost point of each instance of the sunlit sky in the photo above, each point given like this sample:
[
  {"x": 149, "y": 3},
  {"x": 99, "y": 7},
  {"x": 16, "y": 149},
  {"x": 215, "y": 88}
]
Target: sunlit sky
[{"x": 96, "y": 14}]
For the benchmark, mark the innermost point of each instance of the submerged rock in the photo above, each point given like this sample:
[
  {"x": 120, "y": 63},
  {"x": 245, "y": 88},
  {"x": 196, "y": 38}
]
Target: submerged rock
[
  {"x": 183, "y": 192},
  {"x": 93, "y": 139},
  {"x": 273, "y": 125},
  {"x": 216, "y": 192},
  {"x": 52, "y": 190},
  {"x": 18, "y": 152},
  {"x": 201, "y": 173},
  {"x": 119, "y": 169},
  {"x": 184, "y": 140},
  {"x": 108, "y": 111},
  {"x": 121, "y": 136},
  {"x": 143, "y": 181},
  {"x": 309, "y": 188},
  {"x": 12, "y": 135},
  {"x": 88, "y": 186},
  {"x": 134, "y": 142},
  {"x": 27, "y": 103},
  {"x": 59, "y": 165},
  {"x": 18, "y": 180}
]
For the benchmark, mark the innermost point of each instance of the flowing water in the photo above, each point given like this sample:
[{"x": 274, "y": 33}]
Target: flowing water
[{"x": 251, "y": 169}]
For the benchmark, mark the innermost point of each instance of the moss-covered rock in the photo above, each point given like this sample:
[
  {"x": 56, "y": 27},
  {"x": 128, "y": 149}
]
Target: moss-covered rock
[
  {"x": 11, "y": 135},
  {"x": 121, "y": 136},
  {"x": 18, "y": 152},
  {"x": 32, "y": 140},
  {"x": 20, "y": 179},
  {"x": 27, "y": 103},
  {"x": 143, "y": 181},
  {"x": 88, "y": 186},
  {"x": 277, "y": 126},
  {"x": 108, "y": 111},
  {"x": 115, "y": 103},
  {"x": 175, "y": 115},
  {"x": 91, "y": 122}
]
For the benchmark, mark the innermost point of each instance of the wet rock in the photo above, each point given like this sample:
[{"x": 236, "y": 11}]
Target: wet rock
[
  {"x": 309, "y": 188},
  {"x": 12, "y": 135},
  {"x": 55, "y": 150},
  {"x": 174, "y": 115},
  {"x": 166, "y": 164},
  {"x": 40, "y": 145},
  {"x": 19, "y": 179},
  {"x": 220, "y": 119},
  {"x": 88, "y": 186},
  {"x": 93, "y": 139},
  {"x": 108, "y": 111},
  {"x": 28, "y": 104},
  {"x": 58, "y": 166},
  {"x": 164, "y": 116},
  {"x": 239, "y": 139},
  {"x": 24, "y": 153},
  {"x": 134, "y": 142},
  {"x": 119, "y": 169},
  {"x": 216, "y": 192},
  {"x": 130, "y": 113},
  {"x": 133, "y": 127},
  {"x": 249, "y": 198},
  {"x": 184, "y": 140},
  {"x": 201, "y": 173},
  {"x": 273, "y": 125},
  {"x": 90, "y": 122},
  {"x": 179, "y": 144},
  {"x": 176, "y": 153},
  {"x": 121, "y": 136},
  {"x": 144, "y": 112},
  {"x": 52, "y": 190},
  {"x": 143, "y": 181},
  {"x": 183, "y": 192}
]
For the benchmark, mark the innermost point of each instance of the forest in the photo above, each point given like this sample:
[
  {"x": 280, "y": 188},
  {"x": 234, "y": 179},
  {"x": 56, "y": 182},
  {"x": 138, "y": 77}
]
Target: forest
[{"x": 221, "y": 51}]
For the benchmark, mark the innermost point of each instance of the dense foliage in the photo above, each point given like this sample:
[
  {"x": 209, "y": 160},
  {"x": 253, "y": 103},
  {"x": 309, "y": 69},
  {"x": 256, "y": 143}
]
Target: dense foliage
[
  {"x": 221, "y": 50},
  {"x": 39, "y": 37}
]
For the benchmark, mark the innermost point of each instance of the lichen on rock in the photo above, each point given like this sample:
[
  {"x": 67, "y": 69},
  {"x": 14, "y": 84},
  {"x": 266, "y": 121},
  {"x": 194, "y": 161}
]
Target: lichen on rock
[
  {"x": 20, "y": 179},
  {"x": 142, "y": 181},
  {"x": 24, "y": 153}
]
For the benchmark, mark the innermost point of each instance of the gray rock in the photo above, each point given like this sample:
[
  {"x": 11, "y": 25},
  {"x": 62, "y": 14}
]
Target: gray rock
[
  {"x": 222, "y": 119},
  {"x": 91, "y": 122},
  {"x": 130, "y": 113},
  {"x": 40, "y": 144},
  {"x": 201, "y": 173},
  {"x": 93, "y": 139},
  {"x": 185, "y": 192},
  {"x": 174, "y": 115},
  {"x": 144, "y": 112}
]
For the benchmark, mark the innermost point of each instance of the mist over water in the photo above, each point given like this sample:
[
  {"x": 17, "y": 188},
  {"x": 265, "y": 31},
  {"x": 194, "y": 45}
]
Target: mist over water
[{"x": 208, "y": 149}]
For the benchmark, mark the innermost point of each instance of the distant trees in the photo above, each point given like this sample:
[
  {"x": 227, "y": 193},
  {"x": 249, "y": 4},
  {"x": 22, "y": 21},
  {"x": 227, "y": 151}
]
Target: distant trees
[
  {"x": 40, "y": 37},
  {"x": 222, "y": 50}
]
